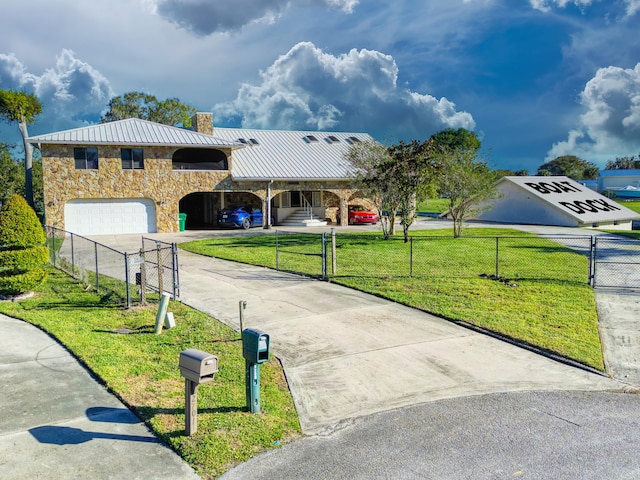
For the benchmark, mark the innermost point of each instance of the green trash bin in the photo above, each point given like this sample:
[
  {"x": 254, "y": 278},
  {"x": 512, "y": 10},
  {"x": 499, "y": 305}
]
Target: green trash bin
[{"x": 183, "y": 221}]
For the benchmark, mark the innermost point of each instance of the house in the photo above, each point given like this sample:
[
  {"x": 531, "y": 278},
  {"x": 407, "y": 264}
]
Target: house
[
  {"x": 615, "y": 180},
  {"x": 556, "y": 201},
  {"x": 136, "y": 176}
]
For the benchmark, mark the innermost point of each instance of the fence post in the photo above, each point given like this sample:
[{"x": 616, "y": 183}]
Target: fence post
[
  {"x": 324, "y": 255},
  {"x": 126, "y": 278},
  {"x": 143, "y": 279},
  {"x": 592, "y": 260},
  {"x": 277, "y": 253},
  {"x": 334, "y": 259},
  {"x": 497, "y": 255},
  {"x": 95, "y": 248},
  {"x": 73, "y": 261},
  {"x": 160, "y": 268},
  {"x": 174, "y": 270},
  {"x": 410, "y": 257}
]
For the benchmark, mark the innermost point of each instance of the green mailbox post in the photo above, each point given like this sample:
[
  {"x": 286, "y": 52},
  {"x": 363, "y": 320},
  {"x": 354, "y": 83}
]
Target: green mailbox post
[{"x": 255, "y": 350}]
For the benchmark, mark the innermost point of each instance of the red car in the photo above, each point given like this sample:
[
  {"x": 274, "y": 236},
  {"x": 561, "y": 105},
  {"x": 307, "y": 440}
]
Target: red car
[{"x": 359, "y": 215}]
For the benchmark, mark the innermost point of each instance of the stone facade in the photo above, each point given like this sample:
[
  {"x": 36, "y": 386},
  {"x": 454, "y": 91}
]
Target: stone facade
[{"x": 159, "y": 182}]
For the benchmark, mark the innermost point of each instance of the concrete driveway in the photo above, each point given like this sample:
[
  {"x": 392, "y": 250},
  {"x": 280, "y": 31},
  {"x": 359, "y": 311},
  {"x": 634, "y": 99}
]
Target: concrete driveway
[{"x": 348, "y": 354}]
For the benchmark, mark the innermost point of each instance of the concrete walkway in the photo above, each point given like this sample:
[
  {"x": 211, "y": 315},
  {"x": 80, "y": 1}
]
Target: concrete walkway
[
  {"x": 348, "y": 354},
  {"x": 59, "y": 423}
]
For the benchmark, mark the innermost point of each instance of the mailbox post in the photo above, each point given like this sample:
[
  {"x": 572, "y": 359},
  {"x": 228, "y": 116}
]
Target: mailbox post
[
  {"x": 196, "y": 367},
  {"x": 255, "y": 350}
]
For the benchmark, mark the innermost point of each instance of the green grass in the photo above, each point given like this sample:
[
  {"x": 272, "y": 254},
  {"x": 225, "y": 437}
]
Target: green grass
[
  {"x": 551, "y": 307},
  {"x": 142, "y": 369},
  {"x": 630, "y": 204},
  {"x": 434, "y": 205}
]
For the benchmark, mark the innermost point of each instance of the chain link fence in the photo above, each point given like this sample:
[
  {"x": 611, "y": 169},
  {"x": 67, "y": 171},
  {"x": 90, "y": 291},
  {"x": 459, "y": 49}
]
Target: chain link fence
[
  {"x": 616, "y": 262},
  {"x": 128, "y": 278},
  {"x": 330, "y": 255}
]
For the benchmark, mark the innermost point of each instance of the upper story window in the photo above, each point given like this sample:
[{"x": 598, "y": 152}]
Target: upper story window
[
  {"x": 199, "y": 159},
  {"x": 132, "y": 158},
  {"x": 85, "y": 158}
]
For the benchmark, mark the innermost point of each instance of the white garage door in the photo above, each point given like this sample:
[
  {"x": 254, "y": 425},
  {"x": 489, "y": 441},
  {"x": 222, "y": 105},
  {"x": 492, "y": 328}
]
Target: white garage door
[{"x": 98, "y": 217}]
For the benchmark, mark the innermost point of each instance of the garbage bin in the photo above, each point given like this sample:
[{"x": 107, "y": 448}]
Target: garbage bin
[{"x": 183, "y": 221}]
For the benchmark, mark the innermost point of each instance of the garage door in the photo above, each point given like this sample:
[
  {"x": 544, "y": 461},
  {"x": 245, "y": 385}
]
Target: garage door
[{"x": 98, "y": 217}]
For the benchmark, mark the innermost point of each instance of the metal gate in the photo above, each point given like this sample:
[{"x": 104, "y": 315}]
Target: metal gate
[
  {"x": 161, "y": 266},
  {"x": 616, "y": 262}
]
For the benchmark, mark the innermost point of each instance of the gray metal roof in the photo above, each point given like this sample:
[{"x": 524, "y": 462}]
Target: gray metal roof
[
  {"x": 291, "y": 155},
  {"x": 133, "y": 131}
]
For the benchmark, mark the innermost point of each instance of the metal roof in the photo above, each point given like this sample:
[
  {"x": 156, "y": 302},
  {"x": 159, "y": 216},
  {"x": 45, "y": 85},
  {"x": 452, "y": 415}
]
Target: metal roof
[
  {"x": 291, "y": 155},
  {"x": 573, "y": 200},
  {"x": 133, "y": 131}
]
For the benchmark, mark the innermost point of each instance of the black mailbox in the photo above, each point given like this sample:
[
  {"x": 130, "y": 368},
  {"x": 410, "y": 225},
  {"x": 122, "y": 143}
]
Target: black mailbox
[
  {"x": 198, "y": 366},
  {"x": 255, "y": 345}
]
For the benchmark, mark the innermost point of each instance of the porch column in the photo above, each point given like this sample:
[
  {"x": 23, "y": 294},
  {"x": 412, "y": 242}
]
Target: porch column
[{"x": 344, "y": 210}]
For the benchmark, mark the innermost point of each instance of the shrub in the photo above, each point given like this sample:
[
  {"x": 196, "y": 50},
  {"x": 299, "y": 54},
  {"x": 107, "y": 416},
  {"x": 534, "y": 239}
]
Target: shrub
[{"x": 22, "y": 250}]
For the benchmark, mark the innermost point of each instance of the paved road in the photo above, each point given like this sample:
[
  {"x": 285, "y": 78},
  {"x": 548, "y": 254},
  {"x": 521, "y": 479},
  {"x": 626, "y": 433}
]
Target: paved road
[{"x": 541, "y": 435}]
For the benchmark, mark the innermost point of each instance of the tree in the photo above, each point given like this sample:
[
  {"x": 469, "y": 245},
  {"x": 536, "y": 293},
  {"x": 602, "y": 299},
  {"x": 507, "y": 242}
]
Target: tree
[
  {"x": 624, "y": 163},
  {"x": 24, "y": 108},
  {"x": 147, "y": 107},
  {"x": 460, "y": 139},
  {"x": 22, "y": 249},
  {"x": 468, "y": 183},
  {"x": 413, "y": 168},
  {"x": 371, "y": 159},
  {"x": 569, "y": 166},
  {"x": 465, "y": 181}
]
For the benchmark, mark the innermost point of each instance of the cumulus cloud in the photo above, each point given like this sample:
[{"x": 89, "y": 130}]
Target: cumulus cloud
[
  {"x": 307, "y": 89},
  {"x": 546, "y": 5},
  {"x": 71, "y": 92},
  {"x": 610, "y": 126},
  {"x": 204, "y": 17}
]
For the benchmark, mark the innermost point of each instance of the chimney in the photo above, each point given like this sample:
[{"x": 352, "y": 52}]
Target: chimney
[{"x": 203, "y": 123}]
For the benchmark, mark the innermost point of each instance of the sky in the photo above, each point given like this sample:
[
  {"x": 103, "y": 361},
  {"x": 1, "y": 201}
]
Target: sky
[{"x": 535, "y": 79}]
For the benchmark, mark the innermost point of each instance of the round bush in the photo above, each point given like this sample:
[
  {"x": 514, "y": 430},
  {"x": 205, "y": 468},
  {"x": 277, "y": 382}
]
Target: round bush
[
  {"x": 22, "y": 282},
  {"x": 19, "y": 225},
  {"x": 21, "y": 260}
]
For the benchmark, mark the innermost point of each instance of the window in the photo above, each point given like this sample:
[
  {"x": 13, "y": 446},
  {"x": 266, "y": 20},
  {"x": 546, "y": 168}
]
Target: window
[
  {"x": 132, "y": 158},
  {"x": 332, "y": 139},
  {"x": 310, "y": 139},
  {"x": 85, "y": 158}
]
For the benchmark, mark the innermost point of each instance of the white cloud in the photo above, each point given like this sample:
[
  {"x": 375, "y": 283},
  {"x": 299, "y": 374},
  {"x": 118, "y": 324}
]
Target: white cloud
[
  {"x": 546, "y": 5},
  {"x": 204, "y": 17},
  {"x": 610, "y": 127},
  {"x": 308, "y": 89},
  {"x": 71, "y": 92}
]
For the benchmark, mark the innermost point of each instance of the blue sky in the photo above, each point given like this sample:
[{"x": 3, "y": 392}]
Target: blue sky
[{"x": 535, "y": 79}]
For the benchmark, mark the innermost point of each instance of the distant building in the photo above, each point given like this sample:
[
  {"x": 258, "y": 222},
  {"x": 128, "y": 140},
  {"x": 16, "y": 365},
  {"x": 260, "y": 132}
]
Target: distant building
[{"x": 558, "y": 201}]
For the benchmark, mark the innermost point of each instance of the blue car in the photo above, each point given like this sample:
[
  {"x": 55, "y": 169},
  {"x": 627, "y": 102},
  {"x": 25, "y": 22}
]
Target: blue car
[{"x": 240, "y": 217}]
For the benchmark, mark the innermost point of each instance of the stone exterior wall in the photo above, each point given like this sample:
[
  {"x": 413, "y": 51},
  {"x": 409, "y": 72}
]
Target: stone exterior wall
[{"x": 157, "y": 181}]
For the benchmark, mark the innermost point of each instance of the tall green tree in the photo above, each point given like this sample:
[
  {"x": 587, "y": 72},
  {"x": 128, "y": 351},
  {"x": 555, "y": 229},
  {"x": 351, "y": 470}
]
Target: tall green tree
[
  {"x": 413, "y": 167},
  {"x": 459, "y": 139},
  {"x": 569, "y": 166},
  {"x": 469, "y": 185},
  {"x": 374, "y": 179},
  {"x": 147, "y": 107},
  {"x": 23, "y": 108},
  {"x": 624, "y": 163},
  {"x": 467, "y": 182}
]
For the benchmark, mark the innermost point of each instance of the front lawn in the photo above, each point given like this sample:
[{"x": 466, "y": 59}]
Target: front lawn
[{"x": 142, "y": 369}]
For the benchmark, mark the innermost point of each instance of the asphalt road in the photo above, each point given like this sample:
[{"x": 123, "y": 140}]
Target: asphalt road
[{"x": 539, "y": 435}]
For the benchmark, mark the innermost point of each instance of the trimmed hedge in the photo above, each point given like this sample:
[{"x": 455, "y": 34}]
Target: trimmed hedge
[
  {"x": 22, "y": 249},
  {"x": 19, "y": 224},
  {"x": 20, "y": 260}
]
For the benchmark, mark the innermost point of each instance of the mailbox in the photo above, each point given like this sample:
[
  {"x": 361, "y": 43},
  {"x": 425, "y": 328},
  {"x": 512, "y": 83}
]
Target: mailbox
[
  {"x": 255, "y": 345},
  {"x": 198, "y": 366}
]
